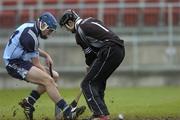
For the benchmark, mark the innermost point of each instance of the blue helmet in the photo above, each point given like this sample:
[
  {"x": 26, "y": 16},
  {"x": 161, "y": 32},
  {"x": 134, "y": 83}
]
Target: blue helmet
[{"x": 49, "y": 19}]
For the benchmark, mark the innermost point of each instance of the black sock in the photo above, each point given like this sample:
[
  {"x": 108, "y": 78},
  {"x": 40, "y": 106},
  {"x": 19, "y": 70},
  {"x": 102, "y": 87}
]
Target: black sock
[
  {"x": 63, "y": 106},
  {"x": 34, "y": 96}
]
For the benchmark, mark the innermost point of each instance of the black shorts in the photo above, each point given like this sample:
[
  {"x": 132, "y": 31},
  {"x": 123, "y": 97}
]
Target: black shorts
[{"x": 18, "y": 68}]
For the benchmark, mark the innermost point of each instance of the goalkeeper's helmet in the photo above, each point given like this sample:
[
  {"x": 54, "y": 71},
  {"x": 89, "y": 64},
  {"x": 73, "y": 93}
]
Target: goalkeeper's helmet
[{"x": 68, "y": 15}]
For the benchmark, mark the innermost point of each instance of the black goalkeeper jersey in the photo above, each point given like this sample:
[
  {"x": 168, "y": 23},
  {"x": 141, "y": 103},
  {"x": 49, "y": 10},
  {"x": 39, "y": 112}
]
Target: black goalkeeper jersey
[{"x": 92, "y": 34}]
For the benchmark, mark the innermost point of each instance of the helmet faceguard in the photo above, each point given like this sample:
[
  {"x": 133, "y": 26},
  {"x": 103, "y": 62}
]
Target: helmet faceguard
[{"x": 42, "y": 25}]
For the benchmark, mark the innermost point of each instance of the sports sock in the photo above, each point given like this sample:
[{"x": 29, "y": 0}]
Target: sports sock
[
  {"x": 64, "y": 106},
  {"x": 33, "y": 97}
]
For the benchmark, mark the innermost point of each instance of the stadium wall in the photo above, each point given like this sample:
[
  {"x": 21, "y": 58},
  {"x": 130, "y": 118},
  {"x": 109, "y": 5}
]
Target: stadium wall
[{"x": 147, "y": 63}]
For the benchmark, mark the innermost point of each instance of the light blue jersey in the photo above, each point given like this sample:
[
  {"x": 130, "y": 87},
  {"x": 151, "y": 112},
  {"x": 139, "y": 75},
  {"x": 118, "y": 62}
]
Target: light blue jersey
[{"x": 23, "y": 43}]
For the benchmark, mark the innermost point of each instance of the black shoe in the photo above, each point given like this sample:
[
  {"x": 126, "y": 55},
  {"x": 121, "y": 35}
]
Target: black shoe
[
  {"x": 74, "y": 113},
  {"x": 28, "y": 109}
]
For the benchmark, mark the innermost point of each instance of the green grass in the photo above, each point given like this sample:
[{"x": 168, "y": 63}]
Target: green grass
[{"x": 152, "y": 103}]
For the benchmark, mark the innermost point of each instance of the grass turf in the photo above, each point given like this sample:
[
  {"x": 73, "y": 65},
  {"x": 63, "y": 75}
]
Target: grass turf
[{"x": 147, "y": 103}]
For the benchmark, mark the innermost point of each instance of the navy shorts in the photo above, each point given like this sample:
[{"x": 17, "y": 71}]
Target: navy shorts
[{"x": 18, "y": 68}]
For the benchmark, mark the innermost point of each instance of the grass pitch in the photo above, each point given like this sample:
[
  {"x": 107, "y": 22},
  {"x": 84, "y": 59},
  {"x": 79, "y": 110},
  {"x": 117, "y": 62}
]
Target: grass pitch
[{"x": 151, "y": 103}]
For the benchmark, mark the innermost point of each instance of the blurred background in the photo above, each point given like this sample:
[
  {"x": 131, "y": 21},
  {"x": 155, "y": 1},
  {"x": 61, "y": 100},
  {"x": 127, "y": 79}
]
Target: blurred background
[{"x": 150, "y": 28}]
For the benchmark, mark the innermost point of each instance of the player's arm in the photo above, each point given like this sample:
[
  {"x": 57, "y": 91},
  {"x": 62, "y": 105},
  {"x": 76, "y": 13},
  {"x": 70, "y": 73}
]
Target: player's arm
[
  {"x": 45, "y": 55},
  {"x": 36, "y": 62},
  {"x": 90, "y": 56},
  {"x": 42, "y": 53}
]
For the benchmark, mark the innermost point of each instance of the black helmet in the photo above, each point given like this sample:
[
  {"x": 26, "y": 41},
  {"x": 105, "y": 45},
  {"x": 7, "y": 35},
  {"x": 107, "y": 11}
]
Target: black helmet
[{"x": 68, "y": 15}]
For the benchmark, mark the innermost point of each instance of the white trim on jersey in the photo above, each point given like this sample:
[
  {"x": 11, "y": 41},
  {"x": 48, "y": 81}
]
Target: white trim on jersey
[
  {"x": 100, "y": 26},
  {"x": 34, "y": 37}
]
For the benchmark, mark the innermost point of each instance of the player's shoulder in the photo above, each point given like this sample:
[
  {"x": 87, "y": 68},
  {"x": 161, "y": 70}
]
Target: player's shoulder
[
  {"x": 26, "y": 25},
  {"x": 29, "y": 37},
  {"x": 91, "y": 20},
  {"x": 29, "y": 29},
  {"x": 86, "y": 22},
  {"x": 90, "y": 23}
]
